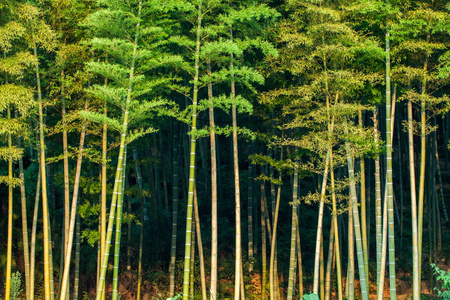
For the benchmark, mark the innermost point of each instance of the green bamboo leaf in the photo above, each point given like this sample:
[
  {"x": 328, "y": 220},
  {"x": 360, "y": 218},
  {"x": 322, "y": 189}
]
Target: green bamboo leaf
[
  {"x": 9, "y": 32},
  {"x": 14, "y": 182},
  {"x": 16, "y": 64},
  {"x": 17, "y": 95},
  {"x": 101, "y": 118},
  {"x": 114, "y": 95},
  {"x": 11, "y": 153}
]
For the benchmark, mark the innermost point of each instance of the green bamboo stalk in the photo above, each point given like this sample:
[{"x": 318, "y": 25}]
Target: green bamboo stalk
[
  {"x": 322, "y": 272},
  {"x": 389, "y": 186},
  {"x": 423, "y": 134},
  {"x": 115, "y": 291},
  {"x": 320, "y": 224},
  {"x": 52, "y": 282},
  {"x": 129, "y": 252},
  {"x": 412, "y": 180},
  {"x": 175, "y": 194},
  {"x": 336, "y": 231},
  {"x": 142, "y": 220},
  {"x": 33, "y": 234},
  {"x": 356, "y": 223},
  {"x": 250, "y": 212},
  {"x": 438, "y": 224},
  {"x": 66, "y": 174},
  {"x": 200, "y": 246},
  {"x": 400, "y": 168},
  {"x": 292, "y": 256},
  {"x": 76, "y": 283},
  {"x": 10, "y": 219},
  {"x": 350, "y": 284},
  {"x": 432, "y": 184},
  {"x": 68, "y": 253},
  {"x": 214, "y": 225},
  {"x": 380, "y": 285},
  {"x": 187, "y": 249},
  {"x": 363, "y": 207},
  {"x": 441, "y": 186},
  {"x": 329, "y": 263},
  {"x": 431, "y": 248},
  {"x": 104, "y": 188},
  {"x": 273, "y": 274},
  {"x": 192, "y": 266},
  {"x": 263, "y": 241},
  {"x": 46, "y": 230},
  {"x": 378, "y": 220},
  {"x": 124, "y": 130},
  {"x": 299, "y": 259},
  {"x": 273, "y": 195},
  {"x": 238, "y": 234},
  {"x": 26, "y": 245},
  {"x": 141, "y": 243}
]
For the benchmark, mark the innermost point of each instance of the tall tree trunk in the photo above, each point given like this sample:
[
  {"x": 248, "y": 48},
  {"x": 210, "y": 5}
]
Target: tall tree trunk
[
  {"x": 76, "y": 283},
  {"x": 10, "y": 218},
  {"x": 412, "y": 180},
  {"x": 389, "y": 186},
  {"x": 104, "y": 188},
  {"x": 329, "y": 263},
  {"x": 378, "y": 210},
  {"x": 356, "y": 223},
  {"x": 214, "y": 225},
  {"x": 66, "y": 173},
  {"x": 118, "y": 176},
  {"x": 380, "y": 285},
  {"x": 120, "y": 196},
  {"x": 33, "y": 234},
  {"x": 363, "y": 207},
  {"x": 200, "y": 246},
  {"x": 350, "y": 286},
  {"x": 299, "y": 259},
  {"x": 142, "y": 220},
  {"x": 65, "y": 280},
  {"x": 336, "y": 231},
  {"x": 26, "y": 245},
  {"x": 441, "y": 186},
  {"x": 292, "y": 256},
  {"x": 192, "y": 266},
  {"x": 322, "y": 272},
  {"x": 319, "y": 225},
  {"x": 423, "y": 142},
  {"x": 273, "y": 274},
  {"x": 400, "y": 168},
  {"x": 187, "y": 250},
  {"x": 250, "y": 210},
  {"x": 45, "y": 217},
  {"x": 175, "y": 194},
  {"x": 238, "y": 246},
  {"x": 273, "y": 280},
  {"x": 263, "y": 241}
]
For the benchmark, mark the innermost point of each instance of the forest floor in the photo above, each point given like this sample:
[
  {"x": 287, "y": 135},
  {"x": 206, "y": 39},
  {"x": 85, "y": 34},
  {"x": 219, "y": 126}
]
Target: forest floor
[{"x": 158, "y": 290}]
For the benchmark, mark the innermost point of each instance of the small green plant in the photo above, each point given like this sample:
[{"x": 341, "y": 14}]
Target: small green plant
[
  {"x": 176, "y": 297},
  {"x": 86, "y": 296},
  {"x": 444, "y": 276},
  {"x": 311, "y": 296},
  {"x": 16, "y": 282}
]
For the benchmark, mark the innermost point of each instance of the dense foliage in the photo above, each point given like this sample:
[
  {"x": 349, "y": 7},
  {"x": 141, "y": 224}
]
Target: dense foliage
[{"x": 261, "y": 149}]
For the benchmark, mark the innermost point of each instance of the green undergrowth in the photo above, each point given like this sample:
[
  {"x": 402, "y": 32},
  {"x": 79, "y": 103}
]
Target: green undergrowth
[{"x": 444, "y": 277}]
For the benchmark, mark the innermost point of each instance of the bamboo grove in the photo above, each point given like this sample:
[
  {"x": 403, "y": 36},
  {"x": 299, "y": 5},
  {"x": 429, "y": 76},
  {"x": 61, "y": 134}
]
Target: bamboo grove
[{"x": 211, "y": 149}]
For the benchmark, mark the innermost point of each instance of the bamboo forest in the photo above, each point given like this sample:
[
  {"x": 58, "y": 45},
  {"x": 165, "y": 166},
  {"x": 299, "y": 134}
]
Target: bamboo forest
[{"x": 224, "y": 149}]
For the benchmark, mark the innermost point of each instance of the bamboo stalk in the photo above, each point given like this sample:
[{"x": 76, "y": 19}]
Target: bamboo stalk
[
  {"x": 187, "y": 249},
  {"x": 115, "y": 290}
]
